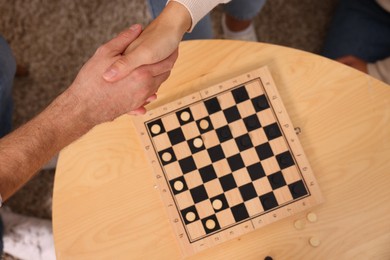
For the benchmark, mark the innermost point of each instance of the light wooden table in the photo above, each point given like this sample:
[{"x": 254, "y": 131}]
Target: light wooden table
[{"x": 106, "y": 205}]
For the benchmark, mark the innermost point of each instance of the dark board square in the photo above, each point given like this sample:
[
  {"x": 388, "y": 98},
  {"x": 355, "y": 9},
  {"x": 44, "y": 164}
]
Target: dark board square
[
  {"x": 212, "y": 105},
  {"x": 221, "y": 198},
  {"x": 207, "y": 173},
  {"x": 252, "y": 122},
  {"x": 268, "y": 201},
  {"x": 235, "y": 162},
  {"x": 217, "y": 226},
  {"x": 240, "y": 94},
  {"x": 297, "y": 189},
  {"x": 187, "y": 164},
  {"x": 168, "y": 150},
  {"x": 192, "y": 146},
  {"x": 272, "y": 131},
  {"x": 199, "y": 194},
  {"x": 210, "y": 125},
  {"x": 276, "y": 180},
  {"x": 227, "y": 182},
  {"x": 264, "y": 151},
  {"x": 256, "y": 171},
  {"x": 231, "y": 114},
  {"x": 187, "y": 210},
  {"x": 178, "y": 114},
  {"x": 248, "y": 192},
  {"x": 244, "y": 142},
  {"x": 216, "y": 153},
  {"x": 239, "y": 212},
  {"x": 285, "y": 160},
  {"x": 224, "y": 133},
  {"x": 156, "y": 122},
  {"x": 180, "y": 179},
  {"x": 176, "y": 136},
  {"x": 260, "y": 103}
]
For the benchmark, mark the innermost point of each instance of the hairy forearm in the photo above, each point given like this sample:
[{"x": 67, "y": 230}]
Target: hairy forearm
[{"x": 24, "y": 151}]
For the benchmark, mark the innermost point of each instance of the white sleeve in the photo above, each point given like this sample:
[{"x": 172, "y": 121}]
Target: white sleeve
[
  {"x": 380, "y": 70},
  {"x": 199, "y": 8}
]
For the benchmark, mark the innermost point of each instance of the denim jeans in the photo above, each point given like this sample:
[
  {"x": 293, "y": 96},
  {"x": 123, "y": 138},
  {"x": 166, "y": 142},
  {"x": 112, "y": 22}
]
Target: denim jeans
[
  {"x": 240, "y": 9},
  {"x": 360, "y": 28},
  {"x": 7, "y": 74}
]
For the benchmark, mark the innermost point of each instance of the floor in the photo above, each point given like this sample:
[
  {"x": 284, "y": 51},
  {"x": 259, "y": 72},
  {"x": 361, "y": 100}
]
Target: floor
[{"x": 54, "y": 40}]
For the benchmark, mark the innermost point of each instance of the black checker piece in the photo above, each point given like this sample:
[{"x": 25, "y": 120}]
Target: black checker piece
[
  {"x": 187, "y": 164},
  {"x": 227, "y": 182},
  {"x": 272, "y": 131},
  {"x": 239, "y": 212},
  {"x": 178, "y": 114},
  {"x": 244, "y": 142},
  {"x": 199, "y": 194},
  {"x": 252, "y": 123},
  {"x": 221, "y": 198},
  {"x": 217, "y": 226},
  {"x": 248, "y": 192},
  {"x": 156, "y": 122},
  {"x": 187, "y": 210},
  {"x": 268, "y": 201},
  {"x": 240, "y": 94},
  {"x": 182, "y": 180},
  {"x": 297, "y": 189},
  {"x": 256, "y": 171},
  {"x": 212, "y": 105},
  {"x": 207, "y": 173},
  {"x": 235, "y": 162},
  {"x": 232, "y": 114},
  {"x": 285, "y": 160},
  {"x": 176, "y": 136},
  {"x": 216, "y": 153},
  {"x": 264, "y": 151},
  {"x": 260, "y": 103},
  {"x": 276, "y": 180},
  {"x": 224, "y": 133}
]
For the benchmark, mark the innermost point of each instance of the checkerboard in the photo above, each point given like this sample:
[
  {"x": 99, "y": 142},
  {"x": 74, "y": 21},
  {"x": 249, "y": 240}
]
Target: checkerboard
[{"x": 227, "y": 161}]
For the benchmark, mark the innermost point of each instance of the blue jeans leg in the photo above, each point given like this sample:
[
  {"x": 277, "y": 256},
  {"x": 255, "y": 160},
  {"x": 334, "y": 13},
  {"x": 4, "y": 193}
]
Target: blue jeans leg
[
  {"x": 7, "y": 74},
  {"x": 244, "y": 9},
  {"x": 360, "y": 28},
  {"x": 203, "y": 30}
]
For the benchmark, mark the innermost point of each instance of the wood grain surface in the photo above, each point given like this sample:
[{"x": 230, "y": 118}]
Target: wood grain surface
[{"x": 106, "y": 205}]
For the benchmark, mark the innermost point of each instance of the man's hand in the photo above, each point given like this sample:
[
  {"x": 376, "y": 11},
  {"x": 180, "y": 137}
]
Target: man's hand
[
  {"x": 354, "y": 62},
  {"x": 158, "y": 41},
  {"x": 90, "y": 100},
  {"x": 104, "y": 101}
]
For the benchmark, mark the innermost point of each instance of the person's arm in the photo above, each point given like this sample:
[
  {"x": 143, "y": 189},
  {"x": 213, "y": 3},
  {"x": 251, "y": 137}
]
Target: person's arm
[
  {"x": 162, "y": 36},
  {"x": 89, "y": 101},
  {"x": 198, "y": 9}
]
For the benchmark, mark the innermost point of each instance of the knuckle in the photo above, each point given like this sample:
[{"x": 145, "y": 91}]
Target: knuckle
[{"x": 103, "y": 49}]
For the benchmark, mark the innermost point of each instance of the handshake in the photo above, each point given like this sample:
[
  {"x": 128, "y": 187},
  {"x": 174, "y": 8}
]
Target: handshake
[{"x": 121, "y": 77}]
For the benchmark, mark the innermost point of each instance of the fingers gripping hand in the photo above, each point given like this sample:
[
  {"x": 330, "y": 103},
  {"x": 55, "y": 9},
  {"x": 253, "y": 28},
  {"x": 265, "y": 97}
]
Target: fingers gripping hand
[{"x": 155, "y": 44}]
